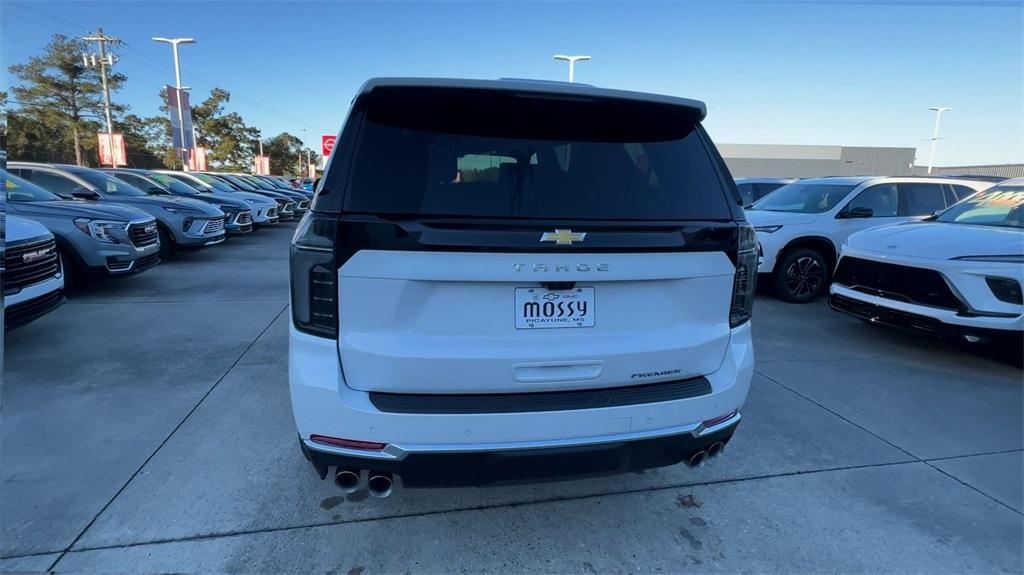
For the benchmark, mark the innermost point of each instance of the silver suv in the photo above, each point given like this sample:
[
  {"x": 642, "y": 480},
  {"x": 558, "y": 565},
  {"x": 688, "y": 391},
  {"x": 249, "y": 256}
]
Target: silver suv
[{"x": 181, "y": 223}]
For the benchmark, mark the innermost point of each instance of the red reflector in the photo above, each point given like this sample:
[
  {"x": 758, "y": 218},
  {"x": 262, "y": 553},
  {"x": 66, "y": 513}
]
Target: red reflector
[
  {"x": 349, "y": 443},
  {"x": 717, "y": 420}
]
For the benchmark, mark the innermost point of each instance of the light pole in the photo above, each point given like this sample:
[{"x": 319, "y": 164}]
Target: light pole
[
  {"x": 935, "y": 134},
  {"x": 572, "y": 62},
  {"x": 175, "y": 42}
]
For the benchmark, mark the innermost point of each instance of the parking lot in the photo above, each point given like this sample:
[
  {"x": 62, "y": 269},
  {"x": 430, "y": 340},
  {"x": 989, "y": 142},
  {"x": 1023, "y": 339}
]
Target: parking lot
[{"x": 147, "y": 427}]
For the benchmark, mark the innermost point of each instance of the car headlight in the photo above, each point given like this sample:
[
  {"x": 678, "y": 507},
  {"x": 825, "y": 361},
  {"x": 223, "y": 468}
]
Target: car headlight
[
  {"x": 180, "y": 210},
  {"x": 100, "y": 229},
  {"x": 1010, "y": 259},
  {"x": 767, "y": 229}
]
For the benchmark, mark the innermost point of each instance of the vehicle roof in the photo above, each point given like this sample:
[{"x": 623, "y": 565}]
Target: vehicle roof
[
  {"x": 766, "y": 180},
  {"x": 533, "y": 87},
  {"x": 856, "y": 180},
  {"x": 1012, "y": 182}
]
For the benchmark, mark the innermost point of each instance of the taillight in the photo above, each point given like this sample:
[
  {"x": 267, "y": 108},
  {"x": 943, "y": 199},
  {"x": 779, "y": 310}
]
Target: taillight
[
  {"x": 314, "y": 276},
  {"x": 746, "y": 277},
  {"x": 349, "y": 443}
]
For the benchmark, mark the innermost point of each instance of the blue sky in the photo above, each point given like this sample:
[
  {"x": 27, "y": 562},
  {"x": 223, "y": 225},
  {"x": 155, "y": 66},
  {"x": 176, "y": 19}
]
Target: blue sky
[{"x": 856, "y": 73}]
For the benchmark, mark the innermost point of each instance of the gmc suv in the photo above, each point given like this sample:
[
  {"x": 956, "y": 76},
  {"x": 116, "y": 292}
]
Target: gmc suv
[{"x": 518, "y": 281}]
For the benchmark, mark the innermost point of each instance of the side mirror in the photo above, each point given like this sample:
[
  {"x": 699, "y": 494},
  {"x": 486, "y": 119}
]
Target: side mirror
[
  {"x": 84, "y": 193},
  {"x": 858, "y": 212}
]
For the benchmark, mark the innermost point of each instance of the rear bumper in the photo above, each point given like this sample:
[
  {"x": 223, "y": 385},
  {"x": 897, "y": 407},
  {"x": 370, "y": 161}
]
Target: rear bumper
[
  {"x": 502, "y": 465},
  {"x": 421, "y": 445}
]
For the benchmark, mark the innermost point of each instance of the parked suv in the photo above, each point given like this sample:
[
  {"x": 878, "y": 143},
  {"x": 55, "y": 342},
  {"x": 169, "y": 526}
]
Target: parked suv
[
  {"x": 264, "y": 209},
  {"x": 301, "y": 199},
  {"x": 285, "y": 204},
  {"x": 753, "y": 189},
  {"x": 237, "y": 214},
  {"x": 957, "y": 274},
  {"x": 92, "y": 238},
  {"x": 800, "y": 226},
  {"x": 33, "y": 283},
  {"x": 518, "y": 281},
  {"x": 181, "y": 223}
]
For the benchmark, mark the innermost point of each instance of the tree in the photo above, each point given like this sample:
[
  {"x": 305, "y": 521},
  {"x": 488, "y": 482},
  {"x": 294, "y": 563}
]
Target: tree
[
  {"x": 143, "y": 141},
  {"x": 229, "y": 141},
  {"x": 57, "y": 97}
]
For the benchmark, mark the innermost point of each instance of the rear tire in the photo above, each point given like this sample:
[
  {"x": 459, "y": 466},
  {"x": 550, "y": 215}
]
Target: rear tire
[{"x": 800, "y": 276}]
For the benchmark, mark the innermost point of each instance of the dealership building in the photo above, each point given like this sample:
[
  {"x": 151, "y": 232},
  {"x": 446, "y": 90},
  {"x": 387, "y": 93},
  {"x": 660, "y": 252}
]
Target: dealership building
[{"x": 794, "y": 161}]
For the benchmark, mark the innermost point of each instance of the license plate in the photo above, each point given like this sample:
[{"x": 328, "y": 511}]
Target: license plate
[{"x": 538, "y": 308}]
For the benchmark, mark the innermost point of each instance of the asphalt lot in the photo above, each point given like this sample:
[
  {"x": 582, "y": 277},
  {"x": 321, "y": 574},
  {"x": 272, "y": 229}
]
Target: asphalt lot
[{"x": 147, "y": 427}]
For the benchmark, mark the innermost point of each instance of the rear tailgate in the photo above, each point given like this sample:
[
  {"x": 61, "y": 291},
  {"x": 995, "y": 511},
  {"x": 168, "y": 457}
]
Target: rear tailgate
[{"x": 442, "y": 322}]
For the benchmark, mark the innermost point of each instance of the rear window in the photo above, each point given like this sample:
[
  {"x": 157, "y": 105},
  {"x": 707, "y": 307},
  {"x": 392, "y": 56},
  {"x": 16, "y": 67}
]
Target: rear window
[{"x": 487, "y": 154}]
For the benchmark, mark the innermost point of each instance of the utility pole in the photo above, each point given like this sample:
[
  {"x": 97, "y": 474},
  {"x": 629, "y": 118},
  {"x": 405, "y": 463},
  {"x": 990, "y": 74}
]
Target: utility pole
[
  {"x": 572, "y": 62},
  {"x": 175, "y": 42},
  {"x": 935, "y": 134},
  {"x": 105, "y": 61}
]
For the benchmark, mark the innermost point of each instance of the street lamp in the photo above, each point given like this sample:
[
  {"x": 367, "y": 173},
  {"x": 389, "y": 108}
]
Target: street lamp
[
  {"x": 572, "y": 62},
  {"x": 935, "y": 134},
  {"x": 175, "y": 42}
]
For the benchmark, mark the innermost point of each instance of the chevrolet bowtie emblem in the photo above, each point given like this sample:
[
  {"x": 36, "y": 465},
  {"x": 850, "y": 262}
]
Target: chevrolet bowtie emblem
[{"x": 563, "y": 237}]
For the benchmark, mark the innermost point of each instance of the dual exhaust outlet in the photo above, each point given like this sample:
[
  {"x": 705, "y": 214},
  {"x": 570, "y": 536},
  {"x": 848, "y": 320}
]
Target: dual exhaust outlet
[
  {"x": 378, "y": 484},
  {"x": 706, "y": 456}
]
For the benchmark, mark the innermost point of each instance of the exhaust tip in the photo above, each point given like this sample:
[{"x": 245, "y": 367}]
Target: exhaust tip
[
  {"x": 716, "y": 449},
  {"x": 380, "y": 485},
  {"x": 348, "y": 480},
  {"x": 698, "y": 459}
]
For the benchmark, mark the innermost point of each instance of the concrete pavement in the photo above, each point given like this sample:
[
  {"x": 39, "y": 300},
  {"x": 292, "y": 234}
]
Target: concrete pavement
[{"x": 154, "y": 433}]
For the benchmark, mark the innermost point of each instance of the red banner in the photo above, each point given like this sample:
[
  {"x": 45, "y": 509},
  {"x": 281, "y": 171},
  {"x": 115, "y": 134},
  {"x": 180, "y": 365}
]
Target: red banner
[
  {"x": 112, "y": 153},
  {"x": 261, "y": 166},
  {"x": 327, "y": 143},
  {"x": 197, "y": 161}
]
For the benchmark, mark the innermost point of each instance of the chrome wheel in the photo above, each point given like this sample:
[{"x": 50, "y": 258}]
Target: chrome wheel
[{"x": 804, "y": 277}]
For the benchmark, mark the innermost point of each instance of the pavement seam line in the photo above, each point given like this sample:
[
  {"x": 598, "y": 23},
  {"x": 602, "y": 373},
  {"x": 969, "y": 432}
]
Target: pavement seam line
[
  {"x": 510, "y": 505},
  {"x": 873, "y": 434},
  {"x": 971, "y": 487},
  {"x": 165, "y": 440},
  {"x": 833, "y": 412}
]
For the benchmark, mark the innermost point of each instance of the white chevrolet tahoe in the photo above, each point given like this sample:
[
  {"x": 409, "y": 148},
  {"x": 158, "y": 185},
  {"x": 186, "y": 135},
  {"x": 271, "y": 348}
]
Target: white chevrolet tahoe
[
  {"x": 518, "y": 281},
  {"x": 800, "y": 226}
]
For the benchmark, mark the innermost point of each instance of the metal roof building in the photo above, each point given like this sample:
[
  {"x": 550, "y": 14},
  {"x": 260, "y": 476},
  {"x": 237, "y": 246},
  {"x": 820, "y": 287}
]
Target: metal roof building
[{"x": 784, "y": 160}]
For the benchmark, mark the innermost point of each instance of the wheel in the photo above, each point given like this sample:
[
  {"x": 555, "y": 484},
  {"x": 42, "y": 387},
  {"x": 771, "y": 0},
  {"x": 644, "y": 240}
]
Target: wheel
[
  {"x": 72, "y": 279},
  {"x": 166, "y": 247},
  {"x": 801, "y": 276}
]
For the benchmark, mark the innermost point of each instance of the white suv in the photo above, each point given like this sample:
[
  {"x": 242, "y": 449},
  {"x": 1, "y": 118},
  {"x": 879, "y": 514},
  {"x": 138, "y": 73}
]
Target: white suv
[
  {"x": 518, "y": 281},
  {"x": 800, "y": 226},
  {"x": 959, "y": 273}
]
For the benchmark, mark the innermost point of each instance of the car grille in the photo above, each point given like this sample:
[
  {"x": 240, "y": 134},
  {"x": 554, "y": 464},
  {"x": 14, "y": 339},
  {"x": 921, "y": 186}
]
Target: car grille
[
  {"x": 143, "y": 235},
  {"x": 272, "y": 213},
  {"x": 896, "y": 282},
  {"x": 26, "y": 311},
  {"x": 243, "y": 218},
  {"x": 147, "y": 262},
  {"x": 213, "y": 227},
  {"x": 303, "y": 204},
  {"x": 288, "y": 207},
  {"x": 29, "y": 264}
]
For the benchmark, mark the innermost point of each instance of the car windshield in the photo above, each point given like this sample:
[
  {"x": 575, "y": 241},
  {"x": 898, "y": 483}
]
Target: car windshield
[
  {"x": 214, "y": 183},
  {"x": 999, "y": 206},
  {"x": 108, "y": 184},
  {"x": 19, "y": 190},
  {"x": 238, "y": 182},
  {"x": 804, "y": 198},
  {"x": 176, "y": 186}
]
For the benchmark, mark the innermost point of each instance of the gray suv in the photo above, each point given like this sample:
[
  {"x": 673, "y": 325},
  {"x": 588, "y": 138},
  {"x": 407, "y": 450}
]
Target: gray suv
[
  {"x": 92, "y": 238},
  {"x": 182, "y": 223}
]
